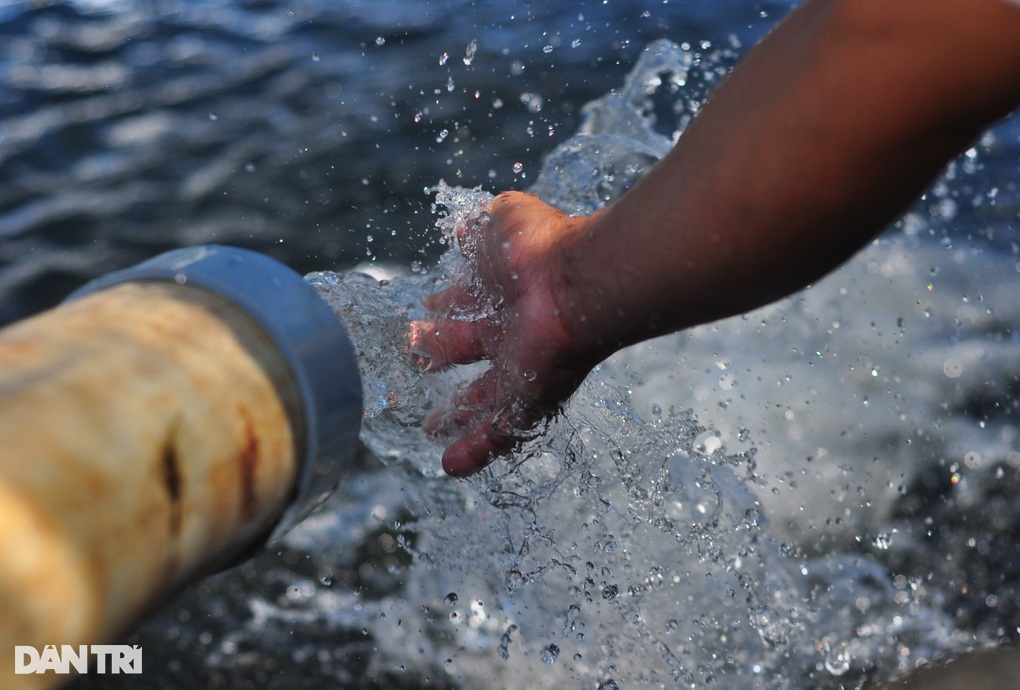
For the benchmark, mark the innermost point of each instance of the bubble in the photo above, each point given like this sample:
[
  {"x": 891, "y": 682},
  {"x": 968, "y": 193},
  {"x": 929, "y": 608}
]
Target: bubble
[
  {"x": 533, "y": 102},
  {"x": 550, "y": 654}
]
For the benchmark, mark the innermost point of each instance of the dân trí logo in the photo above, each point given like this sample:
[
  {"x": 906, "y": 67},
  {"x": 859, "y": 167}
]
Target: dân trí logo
[{"x": 109, "y": 658}]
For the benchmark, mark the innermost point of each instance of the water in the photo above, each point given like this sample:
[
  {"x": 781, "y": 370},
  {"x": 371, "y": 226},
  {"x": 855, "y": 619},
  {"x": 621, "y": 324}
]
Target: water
[
  {"x": 615, "y": 525},
  {"x": 818, "y": 494},
  {"x": 130, "y": 128}
]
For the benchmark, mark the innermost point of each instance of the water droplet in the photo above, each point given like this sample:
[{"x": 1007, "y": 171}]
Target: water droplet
[
  {"x": 530, "y": 375},
  {"x": 213, "y": 116},
  {"x": 518, "y": 167},
  {"x": 837, "y": 660},
  {"x": 469, "y": 52},
  {"x": 550, "y": 654},
  {"x": 443, "y": 58},
  {"x": 380, "y": 41},
  {"x": 882, "y": 541},
  {"x": 315, "y": 57},
  {"x": 451, "y": 598},
  {"x": 610, "y": 592},
  {"x": 504, "y": 643},
  {"x": 533, "y": 102}
]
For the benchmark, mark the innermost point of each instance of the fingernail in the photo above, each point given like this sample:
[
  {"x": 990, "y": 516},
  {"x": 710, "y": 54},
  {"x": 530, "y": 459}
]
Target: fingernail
[{"x": 457, "y": 462}]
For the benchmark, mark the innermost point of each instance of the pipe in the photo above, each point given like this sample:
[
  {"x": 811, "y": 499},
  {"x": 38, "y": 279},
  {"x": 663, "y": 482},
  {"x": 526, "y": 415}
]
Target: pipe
[{"x": 164, "y": 422}]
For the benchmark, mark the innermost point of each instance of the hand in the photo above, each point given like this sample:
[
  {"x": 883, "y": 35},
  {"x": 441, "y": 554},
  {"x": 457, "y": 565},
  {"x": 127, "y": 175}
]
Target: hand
[{"x": 516, "y": 308}]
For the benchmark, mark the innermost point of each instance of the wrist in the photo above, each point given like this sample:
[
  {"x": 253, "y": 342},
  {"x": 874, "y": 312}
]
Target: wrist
[{"x": 587, "y": 298}]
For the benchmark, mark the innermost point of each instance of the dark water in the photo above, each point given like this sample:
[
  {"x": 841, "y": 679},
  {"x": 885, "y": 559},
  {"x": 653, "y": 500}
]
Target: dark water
[
  {"x": 301, "y": 130},
  {"x": 310, "y": 131}
]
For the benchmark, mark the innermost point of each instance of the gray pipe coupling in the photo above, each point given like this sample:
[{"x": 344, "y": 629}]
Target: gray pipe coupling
[{"x": 307, "y": 333}]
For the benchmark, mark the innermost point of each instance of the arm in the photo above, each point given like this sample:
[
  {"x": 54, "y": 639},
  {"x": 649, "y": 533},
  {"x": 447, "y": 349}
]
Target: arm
[{"x": 820, "y": 137}]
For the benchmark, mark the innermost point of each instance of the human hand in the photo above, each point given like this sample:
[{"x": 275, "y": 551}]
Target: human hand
[{"x": 516, "y": 306}]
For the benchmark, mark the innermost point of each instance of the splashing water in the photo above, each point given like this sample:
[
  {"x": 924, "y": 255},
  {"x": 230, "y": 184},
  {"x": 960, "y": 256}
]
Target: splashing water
[{"x": 618, "y": 549}]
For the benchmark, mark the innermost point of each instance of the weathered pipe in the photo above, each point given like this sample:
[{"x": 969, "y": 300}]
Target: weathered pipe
[{"x": 163, "y": 423}]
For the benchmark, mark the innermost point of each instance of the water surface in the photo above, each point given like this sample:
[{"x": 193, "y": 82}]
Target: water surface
[{"x": 817, "y": 494}]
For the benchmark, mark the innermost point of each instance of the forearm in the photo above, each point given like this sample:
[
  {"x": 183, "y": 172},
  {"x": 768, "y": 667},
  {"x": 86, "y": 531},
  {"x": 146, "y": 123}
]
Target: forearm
[{"x": 819, "y": 138}]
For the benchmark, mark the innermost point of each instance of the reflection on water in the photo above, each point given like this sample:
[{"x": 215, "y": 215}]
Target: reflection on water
[
  {"x": 814, "y": 495},
  {"x": 305, "y": 130}
]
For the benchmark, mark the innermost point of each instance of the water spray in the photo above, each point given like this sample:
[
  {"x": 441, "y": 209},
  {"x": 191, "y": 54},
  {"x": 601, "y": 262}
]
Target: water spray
[{"x": 166, "y": 421}]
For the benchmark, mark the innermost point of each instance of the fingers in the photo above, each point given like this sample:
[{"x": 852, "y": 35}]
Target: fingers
[
  {"x": 458, "y": 335},
  {"x": 490, "y": 433},
  {"x": 478, "y": 448},
  {"x": 504, "y": 432},
  {"x": 476, "y": 451},
  {"x": 471, "y": 403},
  {"x": 451, "y": 341},
  {"x": 490, "y": 409},
  {"x": 505, "y": 202},
  {"x": 453, "y": 299}
]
